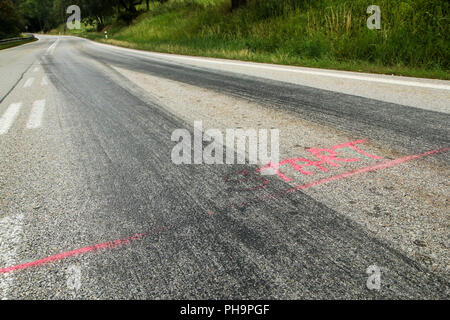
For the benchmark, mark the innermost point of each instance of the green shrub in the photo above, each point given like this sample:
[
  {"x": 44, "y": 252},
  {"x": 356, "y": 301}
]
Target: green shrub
[{"x": 414, "y": 33}]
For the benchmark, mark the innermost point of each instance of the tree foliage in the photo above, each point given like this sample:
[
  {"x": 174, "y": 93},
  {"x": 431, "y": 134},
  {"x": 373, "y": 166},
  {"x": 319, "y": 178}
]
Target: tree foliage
[
  {"x": 237, "y": 3},
  {"x": 10, "y": 19},
  {"x": 43, "y": 15}
]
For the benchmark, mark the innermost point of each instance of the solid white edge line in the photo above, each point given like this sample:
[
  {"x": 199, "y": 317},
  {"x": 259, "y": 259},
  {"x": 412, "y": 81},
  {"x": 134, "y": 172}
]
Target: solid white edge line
[{"x": 338, "y": 74}]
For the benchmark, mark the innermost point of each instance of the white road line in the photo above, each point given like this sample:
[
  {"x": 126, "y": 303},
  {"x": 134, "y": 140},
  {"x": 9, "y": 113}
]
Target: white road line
[
  {"x": 11, "y": 229},
  {"x": 37, "y": 111},
  {"x": 329, "y": 74},
  {"x": 9, "y": 116},
  {"x": 293, "y": 69},
  {"x": 51, "y": 49},
  {"x": 44, "y": 81},
  {"x": 28, "y": 83}
]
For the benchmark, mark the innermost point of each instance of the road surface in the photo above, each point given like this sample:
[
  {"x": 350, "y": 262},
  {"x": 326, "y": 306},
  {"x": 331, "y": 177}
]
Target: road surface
[{"x": 92, "y": 207}]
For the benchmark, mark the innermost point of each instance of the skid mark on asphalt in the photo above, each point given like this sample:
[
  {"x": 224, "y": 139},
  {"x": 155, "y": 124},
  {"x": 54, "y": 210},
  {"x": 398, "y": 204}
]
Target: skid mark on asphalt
[
  {"x": 140, "y": 236},
  {"x": 287, "y": 69}
]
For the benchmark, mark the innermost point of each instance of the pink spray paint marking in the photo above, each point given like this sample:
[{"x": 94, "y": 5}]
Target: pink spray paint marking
[
  {"x": 374, "y": 167},
  {"x": 67, "y": 254},
  {"x": 377, "y": 166},
  {"x": 330, "y": 159}
]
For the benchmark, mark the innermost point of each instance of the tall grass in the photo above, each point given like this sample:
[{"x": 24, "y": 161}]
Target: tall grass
[{"x": 333, "y": 33}]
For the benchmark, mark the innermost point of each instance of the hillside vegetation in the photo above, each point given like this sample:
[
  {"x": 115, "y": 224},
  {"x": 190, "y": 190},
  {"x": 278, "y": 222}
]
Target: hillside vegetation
[{"x": 413, "y": 39}]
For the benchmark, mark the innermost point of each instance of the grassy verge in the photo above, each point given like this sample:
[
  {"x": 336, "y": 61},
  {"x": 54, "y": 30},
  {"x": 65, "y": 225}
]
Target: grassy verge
[
  {"x": 15, "y": 43},
  {"x": 413, "y": 40}
]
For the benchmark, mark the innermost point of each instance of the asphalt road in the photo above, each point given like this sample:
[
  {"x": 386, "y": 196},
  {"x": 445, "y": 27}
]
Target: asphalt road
[{"x": 92, "y": 207}]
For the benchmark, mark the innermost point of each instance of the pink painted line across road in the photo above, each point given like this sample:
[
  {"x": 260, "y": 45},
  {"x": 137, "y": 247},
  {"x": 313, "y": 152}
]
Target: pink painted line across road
[
  {"x": 67, "y": 254},
  {"x": 376, "y": 166}
]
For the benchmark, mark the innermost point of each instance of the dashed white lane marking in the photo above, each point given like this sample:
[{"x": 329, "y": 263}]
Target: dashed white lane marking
[
  {"x": 37, "y": 111},
  {"x": 28, "y": 83},
  {"x": 44, "y": 81},
  {"x": 51, "y": 49},
  {"x": 9, "y": 116},
  {"x": 11, "y": 229}
]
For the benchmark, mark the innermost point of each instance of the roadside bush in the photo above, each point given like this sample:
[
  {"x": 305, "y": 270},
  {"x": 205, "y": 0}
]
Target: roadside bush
[{"x": 10, "y": 20}]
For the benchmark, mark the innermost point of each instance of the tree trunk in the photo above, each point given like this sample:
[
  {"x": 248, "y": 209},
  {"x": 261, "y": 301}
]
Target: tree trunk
[{"x": 100, "y": 23}]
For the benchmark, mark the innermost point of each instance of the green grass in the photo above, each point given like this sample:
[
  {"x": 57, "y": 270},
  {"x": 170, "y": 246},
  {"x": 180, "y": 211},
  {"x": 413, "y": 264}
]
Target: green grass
[
  {"x": 414, "y": 39},
  {"x": 14, "y": 44}
]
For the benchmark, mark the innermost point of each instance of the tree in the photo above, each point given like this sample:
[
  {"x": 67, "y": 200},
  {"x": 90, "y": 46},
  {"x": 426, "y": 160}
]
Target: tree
[
  {"x": 37, "y": 13},
  {"x": 59, "y": 10},
  {"x": 10, "y": 19},
  {"x": 97, "y": 10},
  {"x": 130, "y": 5},
  {"x": 237, "y": 3},
  {"x": 130, "y": 10}
]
